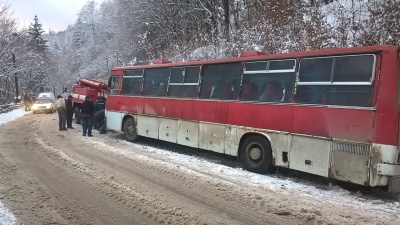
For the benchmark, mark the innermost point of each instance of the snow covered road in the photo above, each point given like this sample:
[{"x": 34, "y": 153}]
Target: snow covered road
[{"x": 52, "y": 177}]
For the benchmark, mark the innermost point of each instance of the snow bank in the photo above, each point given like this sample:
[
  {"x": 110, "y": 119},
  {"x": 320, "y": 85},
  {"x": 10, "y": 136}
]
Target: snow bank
[
  {"x": 6, "y": 217},
  {"x": 10, "y": 116}
]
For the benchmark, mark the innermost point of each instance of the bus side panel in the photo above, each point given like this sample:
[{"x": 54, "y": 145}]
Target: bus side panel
[
  {"x": 184, "y": 109},
  {"x": 309, "y": 154},
  {"x": 114, "y": 120},
  {"x": 281, "y": 148},
  {"x": 188, "y": 133},
  {"x": 131, "y": 105},
  {"x": 356, "y": 125},
  {"x": 168, "y": 129},
  {"x": 212, "y": 137},
  {"x": 350, "y": 162},
  {"x": 170, "y": 108},
  {"x": 113, "y": 103},
  {"x": 231, "y": 140},
  {"x": 147, "y": 126},
  {"x": 152, "y": 106},
  {"x": 211, "y": 111},
  {"x": 266, "y": 116},
  {"x": 387, "y": 102}
]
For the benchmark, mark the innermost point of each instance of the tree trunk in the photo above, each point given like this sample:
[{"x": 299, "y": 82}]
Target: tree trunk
[{"x": 226, "y": 18}]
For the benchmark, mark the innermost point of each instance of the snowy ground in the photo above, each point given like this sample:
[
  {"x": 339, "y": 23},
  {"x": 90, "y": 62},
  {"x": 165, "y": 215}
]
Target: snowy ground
[
  {"x": 211, "y": 171},
  {"x": 6, "y": 218},
  {"x": 10, "y": 116},
  {"x": 194, "y": 166}
]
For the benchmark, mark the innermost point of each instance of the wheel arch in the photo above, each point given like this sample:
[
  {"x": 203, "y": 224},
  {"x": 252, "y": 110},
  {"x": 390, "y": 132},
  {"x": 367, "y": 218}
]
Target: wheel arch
[
  {"x": 255, "y": 133},
  {"x": 127, "y": 116}
]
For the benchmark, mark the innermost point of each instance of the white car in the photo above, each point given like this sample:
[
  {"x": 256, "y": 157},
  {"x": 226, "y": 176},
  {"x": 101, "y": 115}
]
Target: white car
[
  {"x": 43, "y": 105},
  {"x": 47, "y": 95}
]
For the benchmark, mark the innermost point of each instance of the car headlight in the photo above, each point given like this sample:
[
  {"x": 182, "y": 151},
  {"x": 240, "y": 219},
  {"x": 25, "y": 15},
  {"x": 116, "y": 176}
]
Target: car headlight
[{"x": 34, "y": 107}]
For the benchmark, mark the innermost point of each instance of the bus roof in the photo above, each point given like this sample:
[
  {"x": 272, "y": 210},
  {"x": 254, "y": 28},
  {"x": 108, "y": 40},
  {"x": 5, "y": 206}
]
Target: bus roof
[{"x": 255, "y": 55}]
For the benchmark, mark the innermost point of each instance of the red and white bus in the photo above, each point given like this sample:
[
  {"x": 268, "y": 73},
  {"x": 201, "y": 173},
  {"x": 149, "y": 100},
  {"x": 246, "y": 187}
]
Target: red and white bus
[{"x": 333, "y": 113}]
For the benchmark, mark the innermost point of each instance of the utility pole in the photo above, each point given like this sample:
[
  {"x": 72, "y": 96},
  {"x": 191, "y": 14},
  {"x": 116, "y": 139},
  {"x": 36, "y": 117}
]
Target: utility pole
[
  {"x": 117, "y": 56},
  {"x": 108, "y": 69},
  {"x": 16, "y": 79}
]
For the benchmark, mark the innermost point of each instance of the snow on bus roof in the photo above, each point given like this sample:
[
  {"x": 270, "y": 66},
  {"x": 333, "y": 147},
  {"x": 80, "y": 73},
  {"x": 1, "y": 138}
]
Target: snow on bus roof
[{"x": 254, "y": 55}]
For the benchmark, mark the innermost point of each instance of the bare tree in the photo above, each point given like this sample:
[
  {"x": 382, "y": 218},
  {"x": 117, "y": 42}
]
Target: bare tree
[
  {"x": 8, "y": 44},
  {"x": 347, "y": 17},
  {"x": 87, "y": 15},
  {"x": 383, "y": 24}
]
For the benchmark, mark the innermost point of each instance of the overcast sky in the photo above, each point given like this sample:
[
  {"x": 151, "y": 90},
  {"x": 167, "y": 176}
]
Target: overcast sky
[{"x": 53, "y": 14}]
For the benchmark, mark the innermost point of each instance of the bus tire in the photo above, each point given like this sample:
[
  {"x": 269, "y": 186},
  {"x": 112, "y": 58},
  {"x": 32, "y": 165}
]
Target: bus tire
[
  {"x": 130, "y": 131},
  {"x": 256, "y": 154}
]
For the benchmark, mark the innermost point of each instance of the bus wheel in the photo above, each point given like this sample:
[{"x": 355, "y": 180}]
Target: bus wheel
[
  {"x": 130, "y": 130},
  {"x": 256, "y": 154}
]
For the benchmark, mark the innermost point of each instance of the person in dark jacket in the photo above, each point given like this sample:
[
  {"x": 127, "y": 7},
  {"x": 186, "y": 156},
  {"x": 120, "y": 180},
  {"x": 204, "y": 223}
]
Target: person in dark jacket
[
  {"x": 101, "y": 104},
  {"x": 87, "y": 110},
  {"x": 99, "y": 108},
  {"x": 70, "y": 111},
  {"x": 99, "y": 119}
]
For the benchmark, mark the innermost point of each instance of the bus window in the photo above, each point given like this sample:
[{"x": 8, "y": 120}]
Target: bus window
[
  {"x": 346, "y": 80},
  {"x": 316, "y": 70},
  {"x": 268, "y": 81},
  {"x": 191, "y": 81},
  {"x": 155, "y": 81},
  {"x": 184, "y": 82},
  {"x": 221, "y": 81},
  {"x": 114, "y": 85},
  {"x": 271, "y": 92},
  {"x": 132, "y": 82}
]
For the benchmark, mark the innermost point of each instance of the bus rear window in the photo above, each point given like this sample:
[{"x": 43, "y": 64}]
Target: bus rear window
[{"x": 337, "y": 80}]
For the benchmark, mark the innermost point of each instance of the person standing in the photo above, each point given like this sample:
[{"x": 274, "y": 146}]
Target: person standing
[
  {"x": 99, "y": 113},
  {"x": 62, "y": 115},
  {"x": 87, "y": 110},
  {"x": 99, "y": 119},
  {"x": 101, "y": 104},
  {"x": 70, "y": 111},
  {"x": 27, "y": 102}
]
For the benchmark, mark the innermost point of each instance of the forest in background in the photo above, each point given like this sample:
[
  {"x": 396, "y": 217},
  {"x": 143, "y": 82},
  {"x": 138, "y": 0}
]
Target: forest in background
[{"x": 132, "y": 32}]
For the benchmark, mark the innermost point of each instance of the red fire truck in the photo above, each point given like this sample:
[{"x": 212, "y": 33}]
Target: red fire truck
[{"x": 87, "y": 87}]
